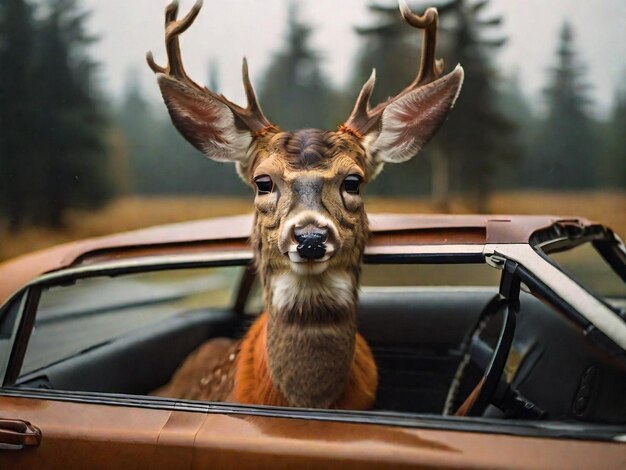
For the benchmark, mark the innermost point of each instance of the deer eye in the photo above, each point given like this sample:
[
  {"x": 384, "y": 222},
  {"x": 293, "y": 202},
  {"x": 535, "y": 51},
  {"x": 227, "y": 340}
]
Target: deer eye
[
  {"x": 264, "y": 184},
  {"x": 352, "y": 184}
]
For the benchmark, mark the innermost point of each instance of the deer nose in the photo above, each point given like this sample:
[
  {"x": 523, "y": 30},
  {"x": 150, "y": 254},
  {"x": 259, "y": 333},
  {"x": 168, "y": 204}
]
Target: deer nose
[{"x": 311, "y": 241}]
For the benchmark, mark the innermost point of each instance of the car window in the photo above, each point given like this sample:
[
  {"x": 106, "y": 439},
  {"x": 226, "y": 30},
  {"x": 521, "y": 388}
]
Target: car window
[
  {"x": 584, "y": 264},
  {"x": 90, "y": 312},
  {"x": 407, "y": 275}
]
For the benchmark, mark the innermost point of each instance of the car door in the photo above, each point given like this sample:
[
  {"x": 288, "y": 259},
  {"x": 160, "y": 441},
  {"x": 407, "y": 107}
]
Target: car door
[
  {"x": 85, "y": 435},
  {"x": 43, "y": 428},
  {"x": 77, "y": 433},
  {"x": 50, "y": 332}
]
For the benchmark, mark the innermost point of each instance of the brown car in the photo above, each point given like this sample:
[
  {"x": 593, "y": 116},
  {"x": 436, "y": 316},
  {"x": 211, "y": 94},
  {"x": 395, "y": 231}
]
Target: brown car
[{"x": 523, "y": 313}]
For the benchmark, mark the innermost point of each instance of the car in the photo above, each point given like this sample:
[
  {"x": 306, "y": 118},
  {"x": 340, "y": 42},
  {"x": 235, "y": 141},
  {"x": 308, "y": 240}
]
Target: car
[{"x": 494, "y": 350}]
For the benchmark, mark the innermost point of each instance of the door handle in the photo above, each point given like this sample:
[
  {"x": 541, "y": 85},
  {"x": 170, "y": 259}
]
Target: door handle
[{"x": 16, "y": 434}]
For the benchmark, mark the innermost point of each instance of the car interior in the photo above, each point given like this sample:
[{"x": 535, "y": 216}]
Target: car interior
[{"x": 432, "y": 343}]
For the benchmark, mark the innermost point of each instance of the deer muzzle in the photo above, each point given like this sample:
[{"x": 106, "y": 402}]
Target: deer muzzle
[{"x": 311, "y": 241}]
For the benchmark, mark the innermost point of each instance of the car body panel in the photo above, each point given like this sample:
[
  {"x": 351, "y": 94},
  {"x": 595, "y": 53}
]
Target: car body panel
[
  {"x": 233, "y": 233},
  {"x": 105, "y": 431},
  {"x": 77, "y": 435}
]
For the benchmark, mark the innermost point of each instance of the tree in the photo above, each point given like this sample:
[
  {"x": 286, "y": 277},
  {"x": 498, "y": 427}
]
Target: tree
[
  {"x": 159, "y": 159},
  {"x": 17, "y": 48},
  {"x": 389, "y": 46},
  {"x": 178, "y": 168},
  {"x": 392, "y": 48},
  {"x": 615, "y": 154},
  {"x": 476, "y": 139},
  {"x": 72, "y": 162},
  {"x": 513, "y": 104},
  {"x": 140, "y": 131},
  {"x": 566, "y": 146},
  {"x": 295, "y": 94},
  {"x": 54, "y": 153}
]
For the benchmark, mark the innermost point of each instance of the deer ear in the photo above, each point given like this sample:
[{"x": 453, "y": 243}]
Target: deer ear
[
  {"x": 206, "y": 122},
  {"x": 409, "y": 122}
]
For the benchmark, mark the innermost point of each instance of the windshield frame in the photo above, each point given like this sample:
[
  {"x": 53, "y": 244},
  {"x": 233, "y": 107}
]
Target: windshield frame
[{"x": 566, "y": 236}]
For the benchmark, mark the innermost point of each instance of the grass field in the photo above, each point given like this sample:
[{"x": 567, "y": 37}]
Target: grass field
[{"x": 136, "y": 212}]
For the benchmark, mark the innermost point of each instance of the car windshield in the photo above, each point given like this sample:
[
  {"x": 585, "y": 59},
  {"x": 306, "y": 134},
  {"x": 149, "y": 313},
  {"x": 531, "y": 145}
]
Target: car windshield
[{"x": 587, "y": 266}]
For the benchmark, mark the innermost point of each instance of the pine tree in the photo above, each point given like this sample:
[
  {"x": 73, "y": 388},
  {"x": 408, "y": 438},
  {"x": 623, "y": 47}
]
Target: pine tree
[
  {"x": 476, "y": 140},
  {"x": 140, "y": 131},
  {"x": 392, "y": 48},
  {"x": 565, "y": 148},
  {"x": 515, "y": 107},
  {"x": 72, "y": 168},
  {"x": 17, "y": 48},
  {"x": 295, "y": 94},
  {"x": 160, "y": 161},
  {"x": 178, "y": 168},
  {"x": 389, "y": 46},
  {"x": 616, "y": 151}
]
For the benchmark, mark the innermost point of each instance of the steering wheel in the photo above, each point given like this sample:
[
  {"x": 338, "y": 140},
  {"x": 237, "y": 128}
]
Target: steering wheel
[{"x": 491, "y": 361}]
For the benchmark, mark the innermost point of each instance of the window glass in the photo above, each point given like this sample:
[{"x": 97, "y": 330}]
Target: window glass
[
  {"x": 584, "y": 264},
  {"x": 407, "y": 275},
  {"x": 254, "y": 304},
  {"x": 93, "y": 311}
]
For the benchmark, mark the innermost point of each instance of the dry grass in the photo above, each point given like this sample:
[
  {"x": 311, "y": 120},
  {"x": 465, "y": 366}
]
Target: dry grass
[
  {"x": 121, "y": 215},
  {"x": 608, "y": 207},
  {"x": 137, "y": 212}
]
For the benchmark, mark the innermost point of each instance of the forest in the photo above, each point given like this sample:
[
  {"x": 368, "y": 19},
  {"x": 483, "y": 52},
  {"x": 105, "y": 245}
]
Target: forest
[{"x": 65, "y": 147}]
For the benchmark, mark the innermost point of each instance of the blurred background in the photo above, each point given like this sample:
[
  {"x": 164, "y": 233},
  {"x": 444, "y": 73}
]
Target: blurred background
[{"x": 87, "y": 148}]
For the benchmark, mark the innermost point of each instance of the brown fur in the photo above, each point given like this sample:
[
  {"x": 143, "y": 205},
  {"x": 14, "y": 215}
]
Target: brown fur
[
  {"x": 226, "y": 370},
  {"x": 311, "y": 347},
  {"x": 309, "y": 355},
  {"x": 253, "y": 383},
  {"x": 206, "y": 374}
]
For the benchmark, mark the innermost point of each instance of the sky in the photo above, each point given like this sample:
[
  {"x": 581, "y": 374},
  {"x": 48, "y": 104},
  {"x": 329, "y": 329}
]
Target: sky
[{"x": 227, "y": 30}]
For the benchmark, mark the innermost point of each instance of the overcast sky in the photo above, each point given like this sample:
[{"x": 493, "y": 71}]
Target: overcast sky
[{"x": 226, "y": 30}]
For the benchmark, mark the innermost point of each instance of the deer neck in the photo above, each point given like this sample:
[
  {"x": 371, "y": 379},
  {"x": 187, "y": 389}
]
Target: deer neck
[{"x": 311, "y": 335}]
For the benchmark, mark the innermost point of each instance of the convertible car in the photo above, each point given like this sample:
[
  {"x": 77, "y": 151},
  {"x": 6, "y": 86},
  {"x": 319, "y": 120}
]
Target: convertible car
[{"x": 500, "y": 343}]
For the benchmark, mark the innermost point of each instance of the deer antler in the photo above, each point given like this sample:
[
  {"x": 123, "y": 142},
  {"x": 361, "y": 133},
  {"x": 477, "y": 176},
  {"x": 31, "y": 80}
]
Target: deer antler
[
  {"x": 173, "y": 28},
  {"x": 252, "y": 116},
  {"x": 363, "y": 118}
]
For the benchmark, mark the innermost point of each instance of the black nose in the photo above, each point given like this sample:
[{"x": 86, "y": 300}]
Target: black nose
[{"x": 311, "y": 241}]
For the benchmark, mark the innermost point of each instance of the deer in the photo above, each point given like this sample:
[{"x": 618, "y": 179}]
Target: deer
[{"x": 310, "y": 227}]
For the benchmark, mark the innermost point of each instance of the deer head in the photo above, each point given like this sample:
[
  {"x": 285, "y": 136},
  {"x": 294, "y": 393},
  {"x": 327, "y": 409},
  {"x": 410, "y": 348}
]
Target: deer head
[
  {"x": 308, "y": 183},
  {"x": 311, "y": 226}
]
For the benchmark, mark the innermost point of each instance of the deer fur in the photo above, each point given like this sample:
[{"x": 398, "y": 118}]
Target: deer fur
[{"x": 304, "y": 350}]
